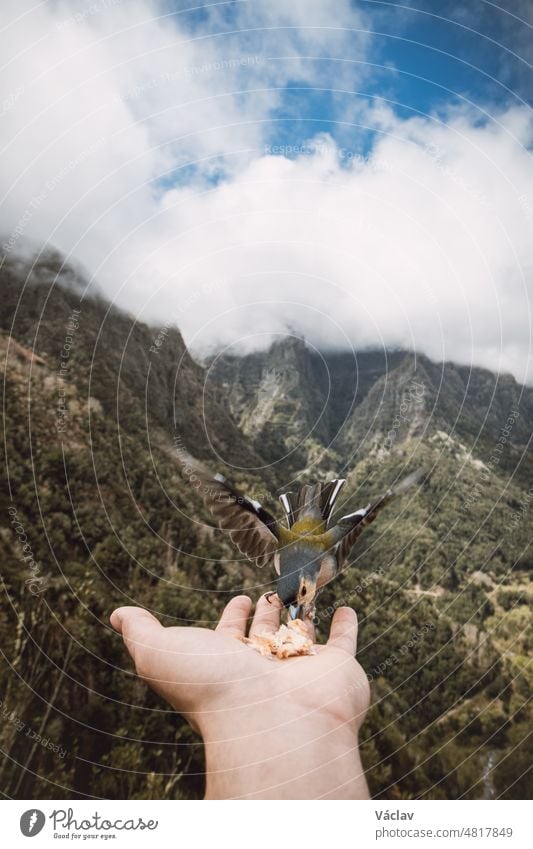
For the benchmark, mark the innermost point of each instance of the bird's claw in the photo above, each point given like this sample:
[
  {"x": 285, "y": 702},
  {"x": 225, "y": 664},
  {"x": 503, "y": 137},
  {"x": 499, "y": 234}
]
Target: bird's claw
[{"x": 310, "y": 613}]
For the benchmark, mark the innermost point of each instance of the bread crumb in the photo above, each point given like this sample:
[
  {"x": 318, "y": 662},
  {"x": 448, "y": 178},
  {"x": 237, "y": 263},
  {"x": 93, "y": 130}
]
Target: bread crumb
[{"x": 291, "y": 640}]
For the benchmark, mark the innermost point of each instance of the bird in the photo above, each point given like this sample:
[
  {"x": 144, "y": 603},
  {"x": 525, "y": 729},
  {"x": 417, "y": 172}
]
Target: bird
[{"x": 308, "y": 550}]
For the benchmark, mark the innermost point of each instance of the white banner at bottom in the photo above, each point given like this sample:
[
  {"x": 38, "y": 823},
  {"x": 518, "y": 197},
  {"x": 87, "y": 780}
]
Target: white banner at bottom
[{"x": 258, "y": 825}]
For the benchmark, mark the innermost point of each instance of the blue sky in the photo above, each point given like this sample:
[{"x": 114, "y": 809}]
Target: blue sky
[{"x": 421, "y": 58}]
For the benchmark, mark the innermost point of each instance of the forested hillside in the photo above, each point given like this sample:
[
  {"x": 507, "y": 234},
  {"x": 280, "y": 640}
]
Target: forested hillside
[{"x": 94, "y": 514}]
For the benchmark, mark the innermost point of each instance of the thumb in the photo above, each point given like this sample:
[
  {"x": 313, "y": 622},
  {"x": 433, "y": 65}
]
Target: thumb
[
  {"x": 139, "y": 629},
  {"x": 343, "y": 630}
]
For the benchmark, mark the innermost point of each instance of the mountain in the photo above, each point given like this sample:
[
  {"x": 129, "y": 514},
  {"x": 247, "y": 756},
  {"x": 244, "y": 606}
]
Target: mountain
[
  {"x": 95, "y": 514},
  {"x": 146, "y": 374},
  {"x": 294, "y": 402}
]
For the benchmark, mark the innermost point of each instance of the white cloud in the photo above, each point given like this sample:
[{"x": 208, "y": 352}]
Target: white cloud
[
  {"x": 425, "y": 243},
  {"x": 136, "y": 96}
]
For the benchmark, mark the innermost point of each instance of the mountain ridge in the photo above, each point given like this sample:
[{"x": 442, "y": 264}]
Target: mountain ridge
[{"x": 98, "y": 491}]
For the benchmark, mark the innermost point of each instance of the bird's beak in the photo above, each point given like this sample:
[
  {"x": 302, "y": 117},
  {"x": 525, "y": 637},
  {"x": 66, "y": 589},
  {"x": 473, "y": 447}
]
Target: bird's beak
[{"x": 295, "y": 611}]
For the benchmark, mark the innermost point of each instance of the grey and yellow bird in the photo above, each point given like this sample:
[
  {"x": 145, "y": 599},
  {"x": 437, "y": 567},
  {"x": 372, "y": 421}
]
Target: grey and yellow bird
[{"x": 310, "y": 550}]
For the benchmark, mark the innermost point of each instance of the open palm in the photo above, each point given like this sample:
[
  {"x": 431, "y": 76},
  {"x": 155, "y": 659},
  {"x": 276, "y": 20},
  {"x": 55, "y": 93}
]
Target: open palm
[
  {"x": 200, "y": 671},
  {"x": 234, "y": 696}
]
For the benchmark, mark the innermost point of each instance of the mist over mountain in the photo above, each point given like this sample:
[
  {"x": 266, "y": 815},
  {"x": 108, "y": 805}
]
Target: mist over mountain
[{"x": 96, "y": 404}]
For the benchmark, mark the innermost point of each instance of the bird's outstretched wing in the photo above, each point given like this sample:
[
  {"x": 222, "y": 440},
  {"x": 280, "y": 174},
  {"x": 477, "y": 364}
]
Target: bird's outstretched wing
[
  {"x": 252, "y": 528},
  {"x": 349, "y": 528}
]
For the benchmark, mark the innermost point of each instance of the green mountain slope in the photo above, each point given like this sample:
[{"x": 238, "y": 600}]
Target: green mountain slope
[{"x": 102, "y": 517}]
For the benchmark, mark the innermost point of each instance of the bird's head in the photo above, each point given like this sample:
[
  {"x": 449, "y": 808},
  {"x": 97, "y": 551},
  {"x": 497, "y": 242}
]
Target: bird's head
[{"x": 296, "y": 586}]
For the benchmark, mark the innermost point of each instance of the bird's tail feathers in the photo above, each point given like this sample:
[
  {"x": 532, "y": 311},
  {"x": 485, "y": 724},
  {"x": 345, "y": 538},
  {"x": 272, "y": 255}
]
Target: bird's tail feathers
[{"x": 314, "y": 500}]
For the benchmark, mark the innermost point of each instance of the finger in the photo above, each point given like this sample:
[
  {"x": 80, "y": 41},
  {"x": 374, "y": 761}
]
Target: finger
[
  {"x": 235, "y": 617},
  {"x": 343, "y": 631},
  {"x": 140, "y": 630},
  {"x": 267, "y": 615}
]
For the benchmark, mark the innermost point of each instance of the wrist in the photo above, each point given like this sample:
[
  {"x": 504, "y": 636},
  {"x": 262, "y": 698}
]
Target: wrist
[{"x": 285, "y": 751}]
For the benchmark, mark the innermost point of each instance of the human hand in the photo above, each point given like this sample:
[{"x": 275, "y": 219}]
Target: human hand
[{"x": 272, "y": 728}]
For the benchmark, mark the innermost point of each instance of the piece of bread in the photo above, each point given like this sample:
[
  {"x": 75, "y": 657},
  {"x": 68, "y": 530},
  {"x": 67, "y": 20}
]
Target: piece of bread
[{"x": 291, "y": 640}]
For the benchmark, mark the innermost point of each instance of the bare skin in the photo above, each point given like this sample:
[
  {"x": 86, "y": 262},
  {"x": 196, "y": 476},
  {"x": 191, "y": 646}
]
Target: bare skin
[{"x": 272, "y": 729}]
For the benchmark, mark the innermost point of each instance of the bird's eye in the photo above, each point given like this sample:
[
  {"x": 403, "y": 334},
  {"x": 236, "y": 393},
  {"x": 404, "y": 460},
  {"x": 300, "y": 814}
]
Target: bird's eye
[{"x": 304, "y": 590}]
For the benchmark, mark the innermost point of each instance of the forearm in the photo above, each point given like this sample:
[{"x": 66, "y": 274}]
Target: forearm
[{"x": 286, "y": 757}]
